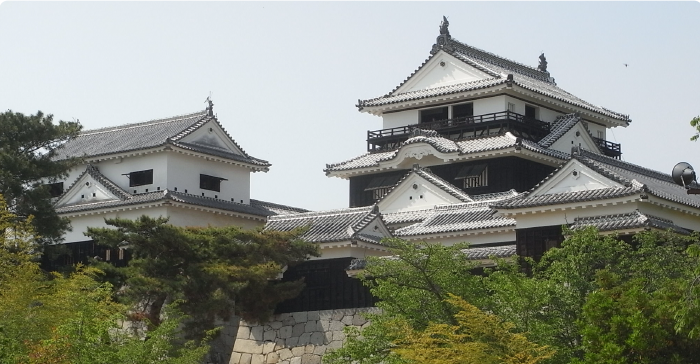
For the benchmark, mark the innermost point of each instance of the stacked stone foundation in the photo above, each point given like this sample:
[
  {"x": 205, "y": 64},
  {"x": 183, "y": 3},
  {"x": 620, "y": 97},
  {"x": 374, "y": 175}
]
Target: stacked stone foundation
[{"x": 294, "y": 338}]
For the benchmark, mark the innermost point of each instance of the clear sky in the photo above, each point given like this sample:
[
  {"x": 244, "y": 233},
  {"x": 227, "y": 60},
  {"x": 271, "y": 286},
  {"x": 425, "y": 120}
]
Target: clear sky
[{"x": 285, "y": 76}]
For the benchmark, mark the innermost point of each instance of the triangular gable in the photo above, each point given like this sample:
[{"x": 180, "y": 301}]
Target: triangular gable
[
  {"x": 573, "y": 177},
  {"x": 90, "y": 187},
  {"x": 211, "y": 135},
  {"x": 414, "y": 192},
  {"x": 577, "y": 136},
  {"x": 441, "y": 70},
  {"x": 375, "y": 228}
]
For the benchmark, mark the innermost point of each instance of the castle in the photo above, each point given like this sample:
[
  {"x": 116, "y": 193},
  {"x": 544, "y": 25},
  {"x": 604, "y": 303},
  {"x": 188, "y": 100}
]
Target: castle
[{"x": 473, "y": 147}]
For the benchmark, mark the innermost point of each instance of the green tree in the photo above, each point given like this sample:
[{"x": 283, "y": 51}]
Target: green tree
[
  {"x": 478, "y": 338},
  {"x": 214, "y": 271},
  {"x": 71, "y": 319},
  {"x": 695, "y": 123},
  {"x": 28, "y": 147}
]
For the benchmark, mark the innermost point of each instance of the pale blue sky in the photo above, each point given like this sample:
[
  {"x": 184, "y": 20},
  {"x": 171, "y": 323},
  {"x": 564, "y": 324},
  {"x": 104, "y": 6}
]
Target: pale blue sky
[{"x": 285, "y": 76}]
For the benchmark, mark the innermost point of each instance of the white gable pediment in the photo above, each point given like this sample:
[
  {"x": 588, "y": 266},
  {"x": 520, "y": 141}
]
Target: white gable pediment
[
  {"x": 442, "y": 70},
  {"x": 211, "y": 135},
  {"x": 425, "y": 195},
  {"x": 574, "y": 177},
  {"x": 418, "y": 153},
  {"x": 376, "y": 228},
  {"x": 86, "y": 190},
  {"x": 577, "y": 136}
]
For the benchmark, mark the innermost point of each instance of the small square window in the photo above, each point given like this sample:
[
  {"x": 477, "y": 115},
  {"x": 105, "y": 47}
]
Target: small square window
[
  {"x": 140, "y": 178},
  {"x": 55, "y": 189},
  {"x": 511, "y": 107},
  {"x": 530, "y": 112},
  {"x": 211, "y": 183}
]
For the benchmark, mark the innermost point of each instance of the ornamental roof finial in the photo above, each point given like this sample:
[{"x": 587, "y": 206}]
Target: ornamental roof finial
[
  {"x": 543, "y": 63},
  {"x": 442, "y": 41},
  {"x": 210, "y": 108}
]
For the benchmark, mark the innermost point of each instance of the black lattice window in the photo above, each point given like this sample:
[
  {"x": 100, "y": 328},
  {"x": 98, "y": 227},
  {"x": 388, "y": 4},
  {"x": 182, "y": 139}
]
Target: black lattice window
[
  {"x": 140, "y": 178},
  {"x": 474, "y": 176},
  {"x": 55, "y": 189},
  {"x": 211, "y": 183}
]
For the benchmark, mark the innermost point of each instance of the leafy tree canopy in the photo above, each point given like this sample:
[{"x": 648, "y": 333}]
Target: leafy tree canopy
[
  {"x": 28, "y": 145},
  {"x": 695, "y": 123},
  {"x": 216, "y": 271}
]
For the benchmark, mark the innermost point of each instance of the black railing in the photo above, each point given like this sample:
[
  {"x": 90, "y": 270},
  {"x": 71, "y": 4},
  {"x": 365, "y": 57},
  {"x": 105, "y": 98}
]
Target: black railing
[
  {"x": 461, "y": 128},
  {"x": 609, "y": 148}
]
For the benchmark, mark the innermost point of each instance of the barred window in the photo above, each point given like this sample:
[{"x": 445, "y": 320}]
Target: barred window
[{"x": 473, "y": 176}]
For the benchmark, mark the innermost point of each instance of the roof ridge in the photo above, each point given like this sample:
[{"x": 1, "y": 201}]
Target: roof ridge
[
  {"x": 272, "y": 204},
  {"x": 506, "y": 63},
  {"x": 444, "y": 185},
  {"x": 141, "y": 124},
  {"x": 626, "y": 165},
  {"x": 348, "y": 210},
  {"x": 111, "y": 186}
]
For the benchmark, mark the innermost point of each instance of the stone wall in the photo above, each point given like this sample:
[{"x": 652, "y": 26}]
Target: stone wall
[{"x": 293, "y": 338}]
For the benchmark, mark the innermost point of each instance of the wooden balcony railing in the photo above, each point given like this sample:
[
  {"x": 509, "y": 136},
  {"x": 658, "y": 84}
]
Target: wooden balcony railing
[
  {"x": 461, "y": 128},
  {"x": 609, "y": 148}
]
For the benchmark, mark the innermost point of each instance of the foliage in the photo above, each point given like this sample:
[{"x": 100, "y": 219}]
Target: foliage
[
  {"x": 214, "y": 271},
  {"x": 478, "y": 337},
  {"x": 28, "y": 145},
  {"x": 594, "y": 299},
  {"x": 71, "y": 319},
  {"x": 695, "y": 123}
]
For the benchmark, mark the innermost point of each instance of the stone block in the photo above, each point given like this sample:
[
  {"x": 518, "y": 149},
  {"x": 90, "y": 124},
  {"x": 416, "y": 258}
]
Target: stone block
[
  {"x": 268, "y": 347},
  {"x": 298, "y": 329},
  {"x": 257, "y": 359},
  {"x": 358, "y": 320},
  {"x": 337, "y": 315},
  {"x": 247, "y": 346},
  {"x": 245, "y": 358},
  {"x": 292, "y": 341},
  {"x": 284, "y": 362},
  {"x": 314, "y": 315},
  {"x": 243, "y": 332},
  {"x": 272, "y": 358},
  {"x": 256, "y": 333},
  {"x": 235, "y": 358},
  {"x": 270, "y": 335},
  {"x": 328, "y": 335},
  {"x": 300, "y": 317},
  {"x": 317, "y": 338},
  {"x": 338, "y": 335},
  {"x": 310, "y": 359},
  {"x": 311, "y": 326},
  {"x": 275, "y": 325},
  {"x": 298, "y": 351},
  {"x": 288, "y": 321},
  {"x": 335, "y": 345},
  {"x": 279, "y": 344},
  {"x": 309, "y": 349},
  {"x": 283, "y": 316},
  {"x": 325, "y": 324},
  {"x": 285, "y": 332},
  {"x": 295, "y": 360},
  {"x": 347, "y": 320},
  {"x": 304, "y": 338},
  {"x": 337, "y": 326},
  {"x": 325, "y": 314},
  {"x": 320, "y": 350},
  {"x": 285, "y": 354}
]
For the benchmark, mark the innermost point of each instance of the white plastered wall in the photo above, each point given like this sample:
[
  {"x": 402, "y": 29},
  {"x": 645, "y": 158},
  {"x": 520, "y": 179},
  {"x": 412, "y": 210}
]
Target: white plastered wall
[
  {"x": 184, "y": 170},
  {"x": 82, "y": 222},
  {"x": 474, "y": 240},
  {"x": 182, "y": 216}
]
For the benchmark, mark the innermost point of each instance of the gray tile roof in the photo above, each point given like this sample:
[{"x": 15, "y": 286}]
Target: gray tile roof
[
  {"x": 560, "y": 126},
  {"x": 497, "y": 68},
  {"x": 406, "y": 216},
  {"x": 503, "y": 251},
  {"x": 635, "y": 180},
  {"x": 327, "y": 226},
  {"x": 632, "y": 220},
  {"x": 276, "y": 209},
  {"x": 457, "y": 217},
  {"x": 167, "y": 195},
  {"x": 139, "y": 136},
  {"x": 463, "y": 147}
]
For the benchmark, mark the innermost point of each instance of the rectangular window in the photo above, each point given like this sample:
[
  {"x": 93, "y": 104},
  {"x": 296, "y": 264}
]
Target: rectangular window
[
  {"x": 430, "y": 115},
  {"x": 601, "y": 134},
  {"x": 55, "y": 189},
  {"x": 530, "y": 112},
  {"x": 140, "y": 178},
  {"x": 473, "y": 176},
  {"x": 380, "y": 186},
  {"x": 211, "y": 183},
  {"x": 462, "y": 111},
  {"x": 511, "y": 107}
]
